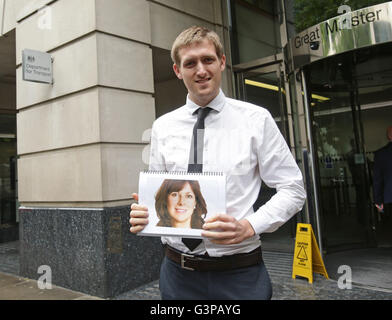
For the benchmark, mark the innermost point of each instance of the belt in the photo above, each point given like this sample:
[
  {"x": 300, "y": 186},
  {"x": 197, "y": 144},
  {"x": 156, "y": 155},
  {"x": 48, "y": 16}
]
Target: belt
[{"x": 207, "y": 263}]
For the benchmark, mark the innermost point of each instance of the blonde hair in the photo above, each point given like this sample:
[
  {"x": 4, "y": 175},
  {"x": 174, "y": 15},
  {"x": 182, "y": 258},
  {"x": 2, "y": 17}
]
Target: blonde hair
[{"x": 193, "y": 35}]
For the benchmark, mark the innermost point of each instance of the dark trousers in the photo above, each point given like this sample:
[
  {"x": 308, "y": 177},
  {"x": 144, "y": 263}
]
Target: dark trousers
[{"x": 251, "y": 283}]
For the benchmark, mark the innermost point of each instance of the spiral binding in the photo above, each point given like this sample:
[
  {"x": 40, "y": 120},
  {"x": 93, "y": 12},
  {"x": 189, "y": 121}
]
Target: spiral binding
[{"x": 207, "y": 173}]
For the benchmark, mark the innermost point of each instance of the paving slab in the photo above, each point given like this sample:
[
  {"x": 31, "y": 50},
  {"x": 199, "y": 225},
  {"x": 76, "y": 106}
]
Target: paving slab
[
  {"x": 17, "y": 288},
  {"x": 369, "y": 267},
  {"x": 366, "y": 285},
  {"x": 285, "y": 288}
]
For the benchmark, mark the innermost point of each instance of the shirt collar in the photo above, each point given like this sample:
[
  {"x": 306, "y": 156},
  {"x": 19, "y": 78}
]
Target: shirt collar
[{"x": 216, "y": 104}]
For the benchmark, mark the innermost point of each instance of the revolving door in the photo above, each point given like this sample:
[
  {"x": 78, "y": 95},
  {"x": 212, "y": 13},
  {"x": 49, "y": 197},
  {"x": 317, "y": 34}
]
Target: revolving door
[{"x": 350, "y": 102}]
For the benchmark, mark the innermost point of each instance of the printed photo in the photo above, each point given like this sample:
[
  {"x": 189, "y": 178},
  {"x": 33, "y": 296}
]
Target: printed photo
[{"x": 179, "y": 204}]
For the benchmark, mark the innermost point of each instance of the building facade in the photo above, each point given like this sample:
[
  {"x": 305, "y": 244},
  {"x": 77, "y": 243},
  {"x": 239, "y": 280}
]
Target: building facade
[{"x": 71, "y": 151}]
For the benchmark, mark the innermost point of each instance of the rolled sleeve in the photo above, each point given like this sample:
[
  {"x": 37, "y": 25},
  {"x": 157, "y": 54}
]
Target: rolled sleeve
[{"x": 278, "y": 170}]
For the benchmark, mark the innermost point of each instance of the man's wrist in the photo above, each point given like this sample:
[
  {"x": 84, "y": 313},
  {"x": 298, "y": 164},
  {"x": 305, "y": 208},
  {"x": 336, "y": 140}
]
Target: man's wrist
[{"x": 250, "y": 232}]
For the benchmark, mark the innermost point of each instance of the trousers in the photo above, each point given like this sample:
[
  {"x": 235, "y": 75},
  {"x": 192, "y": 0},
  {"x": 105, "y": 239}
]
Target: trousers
[{"x": 250, "y": 283}]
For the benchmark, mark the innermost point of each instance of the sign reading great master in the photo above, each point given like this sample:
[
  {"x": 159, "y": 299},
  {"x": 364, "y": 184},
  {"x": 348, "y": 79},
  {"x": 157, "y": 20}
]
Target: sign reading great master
[
  {"x": 352, "y": 30},
  {"x": 37, "y": 66}
]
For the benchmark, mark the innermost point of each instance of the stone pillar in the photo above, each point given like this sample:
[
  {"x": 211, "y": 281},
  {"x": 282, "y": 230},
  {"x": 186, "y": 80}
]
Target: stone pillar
[{"x": 80, "y": 144}]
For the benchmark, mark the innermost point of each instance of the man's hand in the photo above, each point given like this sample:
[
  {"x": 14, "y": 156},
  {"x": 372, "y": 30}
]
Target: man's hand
[
  {"x": 380, "y": 207},
  {"x": 224, "y": 229},
  {"x": 139, "y": 216}
]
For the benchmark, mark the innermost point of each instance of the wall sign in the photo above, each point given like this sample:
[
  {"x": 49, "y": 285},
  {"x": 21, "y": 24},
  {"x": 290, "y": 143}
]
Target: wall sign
[
  {"x": 37, "y": 66},
  {"x": 349, "y": 31}
]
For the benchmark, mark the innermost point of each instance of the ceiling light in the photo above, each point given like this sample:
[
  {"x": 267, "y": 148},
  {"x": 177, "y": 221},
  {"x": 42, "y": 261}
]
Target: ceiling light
[{"x": 276, "y": 88}]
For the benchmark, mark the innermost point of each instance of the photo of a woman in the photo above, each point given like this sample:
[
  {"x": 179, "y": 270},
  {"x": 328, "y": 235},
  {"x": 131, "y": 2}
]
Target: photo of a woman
[{"x": 180, "y": 204}]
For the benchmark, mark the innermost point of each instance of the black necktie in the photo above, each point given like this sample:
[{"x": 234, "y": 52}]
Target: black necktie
[{"x": 196, "y": 159}]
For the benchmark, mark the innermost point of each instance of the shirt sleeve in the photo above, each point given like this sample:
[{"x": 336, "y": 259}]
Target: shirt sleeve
[
  {"x": 156, "y": 160},
  {"x": 278, "y": 169}
]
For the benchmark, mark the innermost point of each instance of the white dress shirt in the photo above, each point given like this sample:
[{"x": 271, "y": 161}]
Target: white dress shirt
[{"x": 242, "y": 140}]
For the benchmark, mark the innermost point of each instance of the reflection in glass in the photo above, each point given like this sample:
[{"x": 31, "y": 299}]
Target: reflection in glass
[
  {"x": 347, "y": 129},
  {"x": 7, "y": 170}
]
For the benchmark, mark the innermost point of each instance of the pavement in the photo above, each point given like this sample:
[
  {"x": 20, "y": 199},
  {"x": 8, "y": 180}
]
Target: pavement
[
  {"x": 279, "y": 266},
  {"x": 14, "y": 287}
]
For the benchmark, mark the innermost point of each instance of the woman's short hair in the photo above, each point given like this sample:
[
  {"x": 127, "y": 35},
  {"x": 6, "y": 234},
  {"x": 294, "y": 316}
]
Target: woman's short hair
[
  {"x": 193, "y": 35},
  {"x": 161, "y": 197}
]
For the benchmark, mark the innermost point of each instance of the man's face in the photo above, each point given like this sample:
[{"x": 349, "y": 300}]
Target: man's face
[{"x": 201, "y": 70}]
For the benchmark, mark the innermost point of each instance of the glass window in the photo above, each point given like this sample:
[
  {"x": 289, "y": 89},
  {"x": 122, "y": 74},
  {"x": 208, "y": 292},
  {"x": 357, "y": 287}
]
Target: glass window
[
  {"x": 7, "y": 169},
  {"x": 255, "y": 30},
  {"x": 8, "y": 124},
  {"x": 351, "y": 108}
]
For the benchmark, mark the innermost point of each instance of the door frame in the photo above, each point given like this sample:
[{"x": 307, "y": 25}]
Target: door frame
[
  {"x": 356, "y": 111},
  {"x": 270, "y": 64}
]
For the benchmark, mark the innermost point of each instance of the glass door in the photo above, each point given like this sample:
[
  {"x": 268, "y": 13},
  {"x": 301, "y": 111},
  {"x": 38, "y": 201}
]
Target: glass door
[
  {"x": 8, "y": 178},
  {"x": 264, "y": 86},
  {"x": 342, "y": 165}
]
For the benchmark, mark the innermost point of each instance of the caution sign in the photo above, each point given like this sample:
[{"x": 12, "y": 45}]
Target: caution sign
[{"x": 307, "y": 257}]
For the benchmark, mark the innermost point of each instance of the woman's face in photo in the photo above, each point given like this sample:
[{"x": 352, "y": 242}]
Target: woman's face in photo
[{"x": 180, "y": 205}]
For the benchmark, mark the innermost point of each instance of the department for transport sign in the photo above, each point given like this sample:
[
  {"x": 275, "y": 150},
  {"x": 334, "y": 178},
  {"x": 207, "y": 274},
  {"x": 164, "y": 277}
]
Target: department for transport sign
[{"x": 37, "y": 66}]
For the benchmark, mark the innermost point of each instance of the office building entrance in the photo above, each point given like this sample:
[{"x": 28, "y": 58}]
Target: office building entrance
[
  {"x": 262, "y": 83},
  {"x": 349, "y": 117},
  {"x": 349, "y": 102},
  {"x": 8, "y": 154}
]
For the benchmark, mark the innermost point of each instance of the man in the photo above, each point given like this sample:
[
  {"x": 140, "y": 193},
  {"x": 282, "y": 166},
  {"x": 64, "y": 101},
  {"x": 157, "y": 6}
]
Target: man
[
  {"x": 241, "y": 140},
  {"x": 382, "y": 177}
]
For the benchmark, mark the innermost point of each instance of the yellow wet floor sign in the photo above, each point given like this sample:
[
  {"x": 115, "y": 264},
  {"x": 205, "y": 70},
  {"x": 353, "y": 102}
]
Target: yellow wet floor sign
[{"x": 307, "y": 257}]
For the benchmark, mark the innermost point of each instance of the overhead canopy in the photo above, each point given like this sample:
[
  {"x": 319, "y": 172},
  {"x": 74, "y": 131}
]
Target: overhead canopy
[{"x": 349, "y": 31}]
